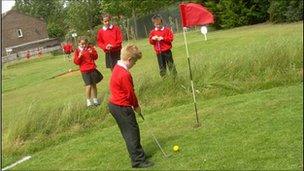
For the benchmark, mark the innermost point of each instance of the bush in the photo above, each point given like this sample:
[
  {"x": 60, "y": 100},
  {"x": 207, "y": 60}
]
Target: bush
[
  {"x": 229, "y": 14},
  {"x": 285, "y": 11},
  {"x": 57, "y": 52},
  {"x": 294, "y": 11},
  {"x": 55, "y": 30},
  {"x": 233, "y": 14},
  {"x": 257, "y": 11},
  {"x": 92, "y": 34}
]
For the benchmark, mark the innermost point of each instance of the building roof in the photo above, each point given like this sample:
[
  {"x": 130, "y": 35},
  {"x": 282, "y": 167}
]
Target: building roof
[{"x": 13, "y": 10}]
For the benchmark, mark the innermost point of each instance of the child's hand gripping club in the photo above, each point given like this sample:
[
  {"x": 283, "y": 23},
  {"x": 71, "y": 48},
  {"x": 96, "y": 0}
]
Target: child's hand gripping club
[{"x": 138, "y": 111}]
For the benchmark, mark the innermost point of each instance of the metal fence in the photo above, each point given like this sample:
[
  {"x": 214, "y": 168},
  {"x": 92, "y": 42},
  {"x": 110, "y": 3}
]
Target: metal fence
[
  {"x": 144, "y": 24},
  {"x": 32, "y": 52}
]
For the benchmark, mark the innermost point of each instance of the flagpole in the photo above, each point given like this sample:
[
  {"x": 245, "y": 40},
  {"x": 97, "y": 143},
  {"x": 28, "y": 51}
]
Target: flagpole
[{"x": 191, "y": 78}]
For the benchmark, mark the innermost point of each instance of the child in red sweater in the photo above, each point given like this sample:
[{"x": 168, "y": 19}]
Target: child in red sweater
[
  {"x": 161, "y": 38},
  {"x": 85, "y": 57},
  {"x": 109, "y": 39},
  {"x": 123, "y": 102},
  {"x": 28, "y": 54},
  {"x": 67, "y": 49}
]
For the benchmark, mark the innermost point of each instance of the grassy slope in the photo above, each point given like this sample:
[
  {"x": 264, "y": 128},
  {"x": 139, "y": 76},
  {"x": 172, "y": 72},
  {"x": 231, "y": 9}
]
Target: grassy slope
[
  {"x": 24, "y": 84},
  {"x": 261, "y": 130}
]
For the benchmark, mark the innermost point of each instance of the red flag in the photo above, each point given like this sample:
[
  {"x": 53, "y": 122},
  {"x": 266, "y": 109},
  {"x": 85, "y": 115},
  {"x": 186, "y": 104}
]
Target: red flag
[{"x": 194, "y": 14}]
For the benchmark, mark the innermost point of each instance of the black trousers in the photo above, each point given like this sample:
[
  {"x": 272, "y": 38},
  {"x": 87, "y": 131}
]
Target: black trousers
[
  {"x": 112, "y": 58},
  {"x": 126, "y": 121},
  {"x": 165, "y": 60}
]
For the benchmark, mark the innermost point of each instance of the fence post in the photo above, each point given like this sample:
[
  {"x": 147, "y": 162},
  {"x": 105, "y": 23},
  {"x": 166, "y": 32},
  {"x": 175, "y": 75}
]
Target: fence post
[
  {"x": 176, "y": 24},
  {"x": 146, "y": 30}
]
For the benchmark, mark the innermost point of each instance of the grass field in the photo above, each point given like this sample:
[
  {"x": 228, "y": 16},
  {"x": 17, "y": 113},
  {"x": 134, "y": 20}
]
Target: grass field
[{"x": 250, "y": 103}]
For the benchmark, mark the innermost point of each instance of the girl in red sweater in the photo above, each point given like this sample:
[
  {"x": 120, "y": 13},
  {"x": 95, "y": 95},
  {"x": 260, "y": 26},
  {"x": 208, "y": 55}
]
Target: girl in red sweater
[
  {"x": 85, "y": 57},
  {"x": 67, "y": 49},
  {"x": 161, "y": 38}
]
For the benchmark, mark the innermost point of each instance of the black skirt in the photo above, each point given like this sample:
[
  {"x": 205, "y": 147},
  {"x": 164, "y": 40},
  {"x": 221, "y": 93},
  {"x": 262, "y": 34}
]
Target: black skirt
[
  {"x": 92, "y": 77},
  {"x": 112, "y": 58}
]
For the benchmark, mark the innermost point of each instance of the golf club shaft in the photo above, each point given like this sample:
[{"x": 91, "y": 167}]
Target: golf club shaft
[
  {"x": 154, "y": 138},
  {"x": 161, "y": 149}
]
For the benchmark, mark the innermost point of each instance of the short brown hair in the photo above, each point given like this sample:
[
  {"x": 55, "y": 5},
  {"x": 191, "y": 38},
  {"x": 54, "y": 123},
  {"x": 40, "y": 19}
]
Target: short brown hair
[
  {"x": 105, "y": 16},
  {"x": 157, "y": 16},
  {"x": 130, "y": 51},
  {"x": 83, "y": 38}
]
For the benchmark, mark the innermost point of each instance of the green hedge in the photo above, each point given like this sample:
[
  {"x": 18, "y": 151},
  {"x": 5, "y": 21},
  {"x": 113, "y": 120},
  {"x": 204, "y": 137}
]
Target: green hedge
[
  {"x": 234, "y": 13},
  {"x": 285, "y": 11}
]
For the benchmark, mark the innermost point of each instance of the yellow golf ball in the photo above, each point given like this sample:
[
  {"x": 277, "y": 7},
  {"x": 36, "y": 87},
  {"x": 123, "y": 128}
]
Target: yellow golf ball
[{"x": 176, "y": 148}]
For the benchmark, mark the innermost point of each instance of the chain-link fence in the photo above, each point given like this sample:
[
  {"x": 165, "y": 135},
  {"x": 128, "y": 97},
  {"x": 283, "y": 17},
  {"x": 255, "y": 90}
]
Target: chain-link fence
[{"x": 144, "y": 25}]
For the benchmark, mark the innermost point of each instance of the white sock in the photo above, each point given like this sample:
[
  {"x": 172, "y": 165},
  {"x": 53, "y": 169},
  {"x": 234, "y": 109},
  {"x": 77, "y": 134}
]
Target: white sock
[
  {"x": 89, "y": 102},
  {"x": 95, "y": 101}
]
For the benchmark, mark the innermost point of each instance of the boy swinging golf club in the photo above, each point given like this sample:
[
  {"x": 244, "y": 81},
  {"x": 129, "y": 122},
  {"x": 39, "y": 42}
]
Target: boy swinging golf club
[{"x": 123, "y": 102}]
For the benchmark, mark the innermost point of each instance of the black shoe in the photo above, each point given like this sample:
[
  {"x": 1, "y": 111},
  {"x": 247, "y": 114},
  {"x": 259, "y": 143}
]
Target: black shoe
[
  {"x": 96, "y": 104},
  {"x": 144, "y": 164}
]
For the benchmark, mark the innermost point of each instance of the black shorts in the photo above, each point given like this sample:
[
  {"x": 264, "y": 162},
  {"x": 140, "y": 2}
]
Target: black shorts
[
  {"x": 92, "y": 77},
  {"x": 112, "y": 58}
]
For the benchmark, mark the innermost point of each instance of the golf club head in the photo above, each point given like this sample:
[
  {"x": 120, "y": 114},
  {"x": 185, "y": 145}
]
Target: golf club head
[{"x": 167, "y": 155}]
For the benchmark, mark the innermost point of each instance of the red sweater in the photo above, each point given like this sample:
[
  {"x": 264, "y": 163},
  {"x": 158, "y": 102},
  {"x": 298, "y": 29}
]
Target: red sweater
[
  {"x": 68, "y": 48},
  {"x": 112, "y": 35},
  {"x": 86, "y": 61},
  {"x": 121, "y": 88},
  {"x": 166, "y": 43}
]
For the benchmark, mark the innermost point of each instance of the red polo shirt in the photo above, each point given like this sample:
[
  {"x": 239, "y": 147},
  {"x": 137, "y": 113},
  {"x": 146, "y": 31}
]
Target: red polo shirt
[
  {"x": 121, "y": 88},
  {"x": 111, "y": 35},
  {"x": 166, "y": 43}
]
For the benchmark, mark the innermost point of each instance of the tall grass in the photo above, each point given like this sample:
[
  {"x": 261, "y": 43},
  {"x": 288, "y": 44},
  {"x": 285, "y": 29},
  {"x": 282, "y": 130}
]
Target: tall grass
[
  {"x": 262, "y": 66},
  {"x": 41, "y": 123},
  {"x": 276, "y": 63}
]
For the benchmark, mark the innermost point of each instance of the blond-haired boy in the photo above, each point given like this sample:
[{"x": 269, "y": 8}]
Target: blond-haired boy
[{"x": 123, "y": 102}]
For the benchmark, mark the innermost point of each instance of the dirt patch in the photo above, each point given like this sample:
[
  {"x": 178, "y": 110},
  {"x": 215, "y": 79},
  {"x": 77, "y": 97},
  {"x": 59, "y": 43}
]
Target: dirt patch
[{"x": 67, "y": 73}]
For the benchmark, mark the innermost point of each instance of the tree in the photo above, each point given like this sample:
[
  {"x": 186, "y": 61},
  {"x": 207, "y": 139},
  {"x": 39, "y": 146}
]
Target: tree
[
  {"x": 257, "y": 11},
  {"x": 285, "y": 11},
  {"x": 50, "y": 10},
  {"x": 42, "y": 9},
  {"x": 235, "y": 13},
  {"x": 82, "y": 16}
]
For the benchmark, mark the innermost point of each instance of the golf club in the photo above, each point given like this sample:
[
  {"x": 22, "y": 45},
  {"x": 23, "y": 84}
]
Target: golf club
[{"x": 155, "y": 139}]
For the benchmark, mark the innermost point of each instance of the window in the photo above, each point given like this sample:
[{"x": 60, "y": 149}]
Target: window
[{"x": 20, "y": 33}]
